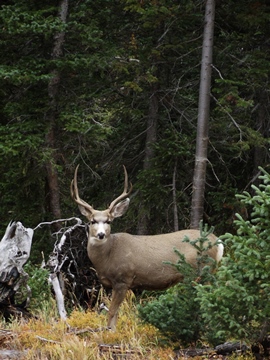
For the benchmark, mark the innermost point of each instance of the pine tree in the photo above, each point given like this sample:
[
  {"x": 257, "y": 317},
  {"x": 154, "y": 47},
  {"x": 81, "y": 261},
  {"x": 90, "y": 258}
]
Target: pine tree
[{"x": 237, "y": 304}]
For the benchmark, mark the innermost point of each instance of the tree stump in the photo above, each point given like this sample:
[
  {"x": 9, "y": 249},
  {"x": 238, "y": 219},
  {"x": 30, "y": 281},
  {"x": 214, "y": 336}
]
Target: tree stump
[{"x": 15, "y": 249}]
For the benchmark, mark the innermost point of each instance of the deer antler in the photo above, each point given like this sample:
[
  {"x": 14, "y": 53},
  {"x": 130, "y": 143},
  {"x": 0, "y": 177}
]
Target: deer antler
[
  {"x": 124, "y": 194},
  {"x": 75, "y": 193}
]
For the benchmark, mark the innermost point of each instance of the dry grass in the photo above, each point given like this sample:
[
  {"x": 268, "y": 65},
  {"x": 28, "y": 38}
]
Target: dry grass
[
  {"x": 48, "y": 338},
  {"x": 84, "y": 337}
]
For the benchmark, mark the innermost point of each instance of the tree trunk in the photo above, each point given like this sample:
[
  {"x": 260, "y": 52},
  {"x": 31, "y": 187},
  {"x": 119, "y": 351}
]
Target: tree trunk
[
  {"x": 51, "y": 116},
  {"x": 151, "y": 137},
  {"x": 175, "y": 210},
  {"x": 199, "y": 176}
]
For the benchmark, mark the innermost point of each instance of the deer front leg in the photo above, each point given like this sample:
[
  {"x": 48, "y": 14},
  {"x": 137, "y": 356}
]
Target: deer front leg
[{"x": 118, "y": 295}]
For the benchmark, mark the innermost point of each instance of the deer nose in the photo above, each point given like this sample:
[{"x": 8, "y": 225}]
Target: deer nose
[{"x": 101, "y": 235}]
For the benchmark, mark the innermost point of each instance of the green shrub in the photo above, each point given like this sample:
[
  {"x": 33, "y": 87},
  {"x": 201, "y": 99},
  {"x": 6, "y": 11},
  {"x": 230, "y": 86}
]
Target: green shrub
[
  {"x": 176, "y": 313},
  {"x": 39, "y": 285},
  {"x": 237, "y": 304}
]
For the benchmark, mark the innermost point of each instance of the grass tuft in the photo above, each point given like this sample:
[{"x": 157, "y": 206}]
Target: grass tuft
[{"x": 81, "y": 337}]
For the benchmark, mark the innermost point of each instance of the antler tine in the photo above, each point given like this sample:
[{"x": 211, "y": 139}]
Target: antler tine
[
  {"x": 124, "y": 194},
  {"x": 75, "y": 193}
]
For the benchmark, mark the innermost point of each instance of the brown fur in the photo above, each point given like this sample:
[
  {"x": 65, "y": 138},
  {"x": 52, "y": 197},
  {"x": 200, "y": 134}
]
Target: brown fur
[{"x": 125, "y": 261}]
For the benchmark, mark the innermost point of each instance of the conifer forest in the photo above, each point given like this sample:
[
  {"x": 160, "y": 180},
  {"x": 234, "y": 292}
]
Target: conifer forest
[
  {"x": 178, "y": 93},
  {"x": 110, "y": 83}
]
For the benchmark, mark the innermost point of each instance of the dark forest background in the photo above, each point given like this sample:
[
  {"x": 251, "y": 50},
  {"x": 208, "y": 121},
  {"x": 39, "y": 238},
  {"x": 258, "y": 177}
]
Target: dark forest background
[{"x": 113, "y": 82}]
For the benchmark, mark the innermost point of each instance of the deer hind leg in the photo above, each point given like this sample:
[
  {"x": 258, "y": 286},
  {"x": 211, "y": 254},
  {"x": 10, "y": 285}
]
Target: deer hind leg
[{"x": 118, "y": 295}]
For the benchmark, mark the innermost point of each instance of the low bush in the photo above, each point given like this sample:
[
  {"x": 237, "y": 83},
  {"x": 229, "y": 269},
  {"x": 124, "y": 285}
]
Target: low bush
[
  {"x": 176, "y": 312},
  {"x": 237, "y": 304}
]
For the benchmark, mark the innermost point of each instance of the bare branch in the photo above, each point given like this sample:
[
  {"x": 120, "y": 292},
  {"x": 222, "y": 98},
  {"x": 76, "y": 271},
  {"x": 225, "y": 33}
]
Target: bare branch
[
  {"x": 79, "y": 222},
  {"x": 47, "y": 340},
  {"x": 59, "y": 296},
  {"x": 219, "y": 73},
  {"x": 230, "y": 116}
]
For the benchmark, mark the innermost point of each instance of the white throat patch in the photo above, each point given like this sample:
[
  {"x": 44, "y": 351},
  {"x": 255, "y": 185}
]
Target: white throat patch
[{"x": 96, "y": 241}]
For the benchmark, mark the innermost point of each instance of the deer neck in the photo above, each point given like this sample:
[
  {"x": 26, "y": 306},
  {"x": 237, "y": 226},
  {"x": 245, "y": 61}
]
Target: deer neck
[{"x": 99, "y": 250}]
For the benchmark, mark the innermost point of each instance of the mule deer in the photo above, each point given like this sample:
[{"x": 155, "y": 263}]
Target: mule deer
[{"x": 125, "y": 261}]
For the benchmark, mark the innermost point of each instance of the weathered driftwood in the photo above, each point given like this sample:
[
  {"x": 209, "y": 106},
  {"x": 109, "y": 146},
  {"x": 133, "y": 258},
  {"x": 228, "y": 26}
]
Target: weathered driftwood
[
  {"x": 72, "y": 275},
  {"x": 15, "y": 248}
]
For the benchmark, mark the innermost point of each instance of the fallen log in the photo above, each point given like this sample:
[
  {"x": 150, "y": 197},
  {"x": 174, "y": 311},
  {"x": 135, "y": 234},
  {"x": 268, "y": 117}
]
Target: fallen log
[
  {"x": 231, "y": 347},
  {"x": 228, "y": 348}
]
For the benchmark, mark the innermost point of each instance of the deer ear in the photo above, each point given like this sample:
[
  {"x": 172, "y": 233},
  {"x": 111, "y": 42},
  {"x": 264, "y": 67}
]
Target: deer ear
[
  {"x": 84, "y": 211},
  {"x": 120, "y": 208}
]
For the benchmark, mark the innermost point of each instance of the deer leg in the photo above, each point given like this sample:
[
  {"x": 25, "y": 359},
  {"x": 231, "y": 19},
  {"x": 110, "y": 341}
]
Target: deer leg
[{"x": 118, "y": 295}]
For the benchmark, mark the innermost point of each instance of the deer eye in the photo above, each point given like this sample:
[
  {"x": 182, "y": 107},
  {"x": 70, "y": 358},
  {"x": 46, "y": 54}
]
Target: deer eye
[
  {"x": 108, "y": 222},
  {"x": 93, "y": 221}
]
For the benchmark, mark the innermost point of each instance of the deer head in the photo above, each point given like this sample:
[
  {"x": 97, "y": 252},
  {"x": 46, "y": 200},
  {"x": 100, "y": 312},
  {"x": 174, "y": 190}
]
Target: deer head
[{"x": 100, "y": 221}]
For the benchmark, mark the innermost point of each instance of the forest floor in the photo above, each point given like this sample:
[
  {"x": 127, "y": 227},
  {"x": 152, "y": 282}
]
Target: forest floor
[{"x": 84, "y": 337}]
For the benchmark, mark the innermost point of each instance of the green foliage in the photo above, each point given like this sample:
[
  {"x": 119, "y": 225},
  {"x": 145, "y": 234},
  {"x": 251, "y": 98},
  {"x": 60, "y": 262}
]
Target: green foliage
[
  {"x": 38, "y": 282},
  {"x": 237, "y": 304},
  {"x": 114, "y": 55},
  {"x": 173, "y": 314},
  {"x": 21, "y": 19},
  {"x": 155, "y": 184},
  {"x": 176, "y": 313}
]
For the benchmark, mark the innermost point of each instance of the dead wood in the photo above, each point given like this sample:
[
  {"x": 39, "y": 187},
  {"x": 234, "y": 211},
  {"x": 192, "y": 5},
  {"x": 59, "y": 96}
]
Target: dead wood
[
  {"x": 76, "y": 331},
  {"x": 6, "y": 354},
  {"x": 15, "y": 248},
  {"x": 231, "y": 347},
  {"x": 75, "y": 273},
  {"x": 48, "y": 340},
  {"x": 117, "y": 351},
  {"x": 225, "y": 349},
  {"x": 192, "y": 352}
]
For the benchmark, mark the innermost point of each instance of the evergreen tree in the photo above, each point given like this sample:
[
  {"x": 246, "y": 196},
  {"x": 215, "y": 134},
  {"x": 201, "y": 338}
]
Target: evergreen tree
[
  {"x": 236, "y": 305},
  {"x": 124, "y": 63}
]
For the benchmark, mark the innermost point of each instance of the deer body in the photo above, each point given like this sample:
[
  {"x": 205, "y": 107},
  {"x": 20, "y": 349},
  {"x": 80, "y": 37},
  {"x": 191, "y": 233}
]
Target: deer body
[
  {"x": 141, "y": 259},
  {"x": 125, "y": 261}
]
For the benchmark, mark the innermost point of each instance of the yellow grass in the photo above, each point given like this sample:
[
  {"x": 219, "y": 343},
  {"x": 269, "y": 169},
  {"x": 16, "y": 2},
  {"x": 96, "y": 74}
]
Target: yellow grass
[
  {"x": 84, "y": 337},
  {"x": 49, "y": 338}
]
